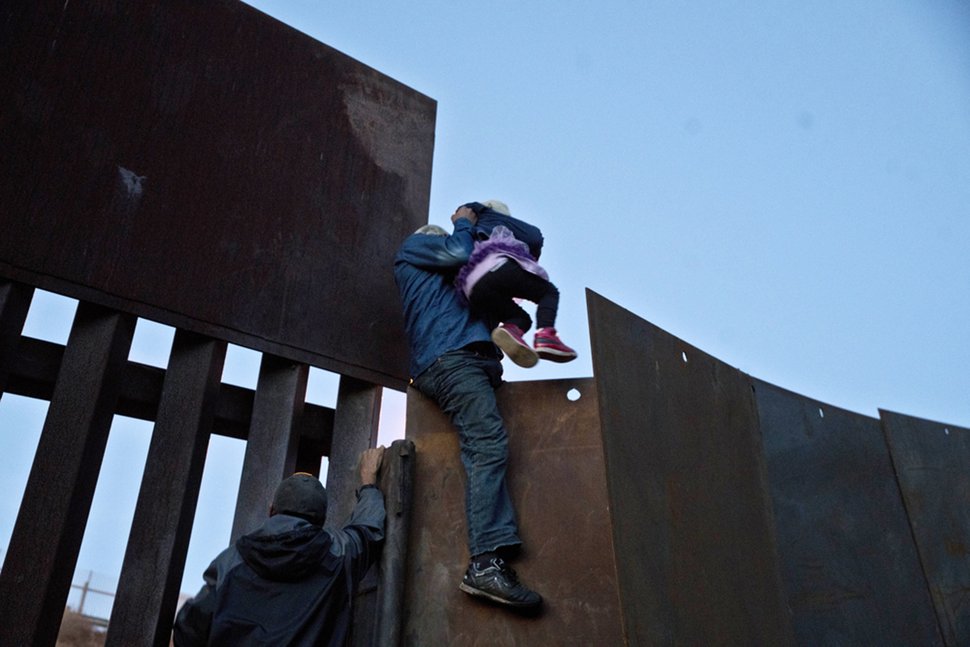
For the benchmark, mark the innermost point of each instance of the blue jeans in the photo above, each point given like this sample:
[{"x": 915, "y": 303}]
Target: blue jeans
[{"x": 463, "y": 384}]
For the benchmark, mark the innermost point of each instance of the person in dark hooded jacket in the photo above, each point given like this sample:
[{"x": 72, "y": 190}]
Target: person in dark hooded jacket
[{"x": 290, "y": 581}]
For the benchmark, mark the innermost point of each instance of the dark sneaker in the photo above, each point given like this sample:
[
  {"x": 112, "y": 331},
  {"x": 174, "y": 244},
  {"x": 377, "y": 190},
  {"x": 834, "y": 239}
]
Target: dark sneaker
[
  {"x": 499, "y": 583},
  {"x": 548, "y": 346},
  {"x": 508, "y": 337}
]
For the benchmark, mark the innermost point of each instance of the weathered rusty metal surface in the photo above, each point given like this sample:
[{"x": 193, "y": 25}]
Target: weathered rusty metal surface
[
  {"x": 932, "y": 462},
  {"x": 355, "y": 424},
  {"x": 42, "y": 554},
  {"x": 378, "y": 613},
  {"x": 35, "y": 367},
  {"x": 273, "y": 439},
  {"x": 557, "y": 481},
  {"x": 849, "y": 563},
  {"x": 14, "y": 303},
  {"x": 148, "y": 588},
  {"x": 397, "y": 482},
  {"x": 205, "y": 166},
  {"x": 691, "y": 516}
]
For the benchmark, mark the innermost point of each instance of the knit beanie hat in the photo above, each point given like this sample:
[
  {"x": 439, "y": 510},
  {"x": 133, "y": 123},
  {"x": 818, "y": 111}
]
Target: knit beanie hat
[{"x": 302, "y": 495}]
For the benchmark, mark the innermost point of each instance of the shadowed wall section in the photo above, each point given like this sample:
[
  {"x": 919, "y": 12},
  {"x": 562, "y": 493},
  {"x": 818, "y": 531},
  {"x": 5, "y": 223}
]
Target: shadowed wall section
[
  {"x": 851, "y": 570},
  {"x": 205, "y": 166},
  {"x": 557, "y": 480},
  {"x": 692, "y": 521},
  {"x": 208, "y": 167},
  {"x": 681, "y": 501},
  {"x": 932, "y": 462}
]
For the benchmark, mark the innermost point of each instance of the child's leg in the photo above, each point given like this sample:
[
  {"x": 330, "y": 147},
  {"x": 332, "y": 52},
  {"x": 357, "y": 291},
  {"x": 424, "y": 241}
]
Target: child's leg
[
  {"x": 547, "y": 303},
  {"x": 492, "y": 301},
  {"x": 491, "y": 298},
  {"x": 534, "y": 288},
  {"x": 520, "y": 283}
]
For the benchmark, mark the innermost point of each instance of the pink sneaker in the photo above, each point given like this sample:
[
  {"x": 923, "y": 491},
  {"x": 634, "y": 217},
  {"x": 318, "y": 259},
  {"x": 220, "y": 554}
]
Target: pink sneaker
[
  {"x": 508, "y": 337},
  {"x": 548, "y": 346}
]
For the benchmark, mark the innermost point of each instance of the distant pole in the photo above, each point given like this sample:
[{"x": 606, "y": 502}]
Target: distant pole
[{"x": 84, "y": 593}]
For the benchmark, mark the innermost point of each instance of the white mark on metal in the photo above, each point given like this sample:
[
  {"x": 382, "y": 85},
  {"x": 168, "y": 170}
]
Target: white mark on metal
[
  {"x": 132, "y": 182},
  {"x": 59, "y": 22}
]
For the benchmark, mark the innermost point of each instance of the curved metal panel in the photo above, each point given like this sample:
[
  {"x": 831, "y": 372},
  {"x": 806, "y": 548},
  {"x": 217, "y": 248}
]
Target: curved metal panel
[
  {"x": 691, "y": 515},
  {"x": 932, "y": 463}
]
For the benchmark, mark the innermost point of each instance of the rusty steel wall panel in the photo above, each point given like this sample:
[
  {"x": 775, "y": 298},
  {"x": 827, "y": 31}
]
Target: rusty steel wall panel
[
  {"x": 378, "y": 619},
  {"x": 154, "y": 561},
  {"x": 274, "y": 438},
  {"x": 355, "y": 424},
  {"x": 849, "y": 562},
  {"x": 15, "y": 301},
  {"x": 33, "y": 371},
  {"x": 203, "y": 165},
  {"x": 691, "y": 515},
  {"x": 557, "y": 481},
  {"x": 42, "y": 554},
  {"x": 932, "y": 462}
]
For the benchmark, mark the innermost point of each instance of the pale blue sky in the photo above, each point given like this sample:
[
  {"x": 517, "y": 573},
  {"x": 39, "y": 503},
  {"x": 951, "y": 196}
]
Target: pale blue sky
[{"x": 784, "y": 185}]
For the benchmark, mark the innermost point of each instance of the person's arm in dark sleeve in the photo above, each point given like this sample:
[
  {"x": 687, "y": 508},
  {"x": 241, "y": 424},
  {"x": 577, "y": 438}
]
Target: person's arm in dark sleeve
[
  {"x": 194, "y": 619},
  {"x": 366, "y": 530},
  {"x": 360, "y": 539}
]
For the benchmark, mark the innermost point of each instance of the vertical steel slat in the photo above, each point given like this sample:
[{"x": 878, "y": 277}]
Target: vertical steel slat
[
  {"x": 356, "y": 418},
  {"x": 151, "y": 574},
  {"x": 40, "y": 562},
  {"x": 14, "y": 303},
  {"x": 273, "y": 438}
]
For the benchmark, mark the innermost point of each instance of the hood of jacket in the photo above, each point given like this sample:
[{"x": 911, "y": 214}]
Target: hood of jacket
[{"x": 286, "y": 548}]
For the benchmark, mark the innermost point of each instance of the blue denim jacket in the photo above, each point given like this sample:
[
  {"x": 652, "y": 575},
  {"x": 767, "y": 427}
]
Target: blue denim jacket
[{"x": 434, "y": 317}]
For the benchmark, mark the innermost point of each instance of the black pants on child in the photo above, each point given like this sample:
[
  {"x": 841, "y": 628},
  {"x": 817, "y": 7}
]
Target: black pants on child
[{"x": 491, "y": 298}]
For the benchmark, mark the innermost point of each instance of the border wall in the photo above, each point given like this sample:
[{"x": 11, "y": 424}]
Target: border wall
[
  {"x": 205, "y": 166},
  {"x": 679, "y": 501}
]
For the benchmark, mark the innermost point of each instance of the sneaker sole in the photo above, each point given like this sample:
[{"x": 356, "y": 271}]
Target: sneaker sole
[
  {"x": 521, "y": 355},
  {"x": 478, "y": 593},
  {"x": 555, "y": 355}
]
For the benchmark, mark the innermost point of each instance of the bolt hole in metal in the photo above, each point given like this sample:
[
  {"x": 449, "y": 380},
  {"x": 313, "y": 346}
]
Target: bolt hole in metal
[
  {"x": 821, "y": 414},
  {"x": 683, "y": 356},
  {"x": 573, "y": 394}
]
